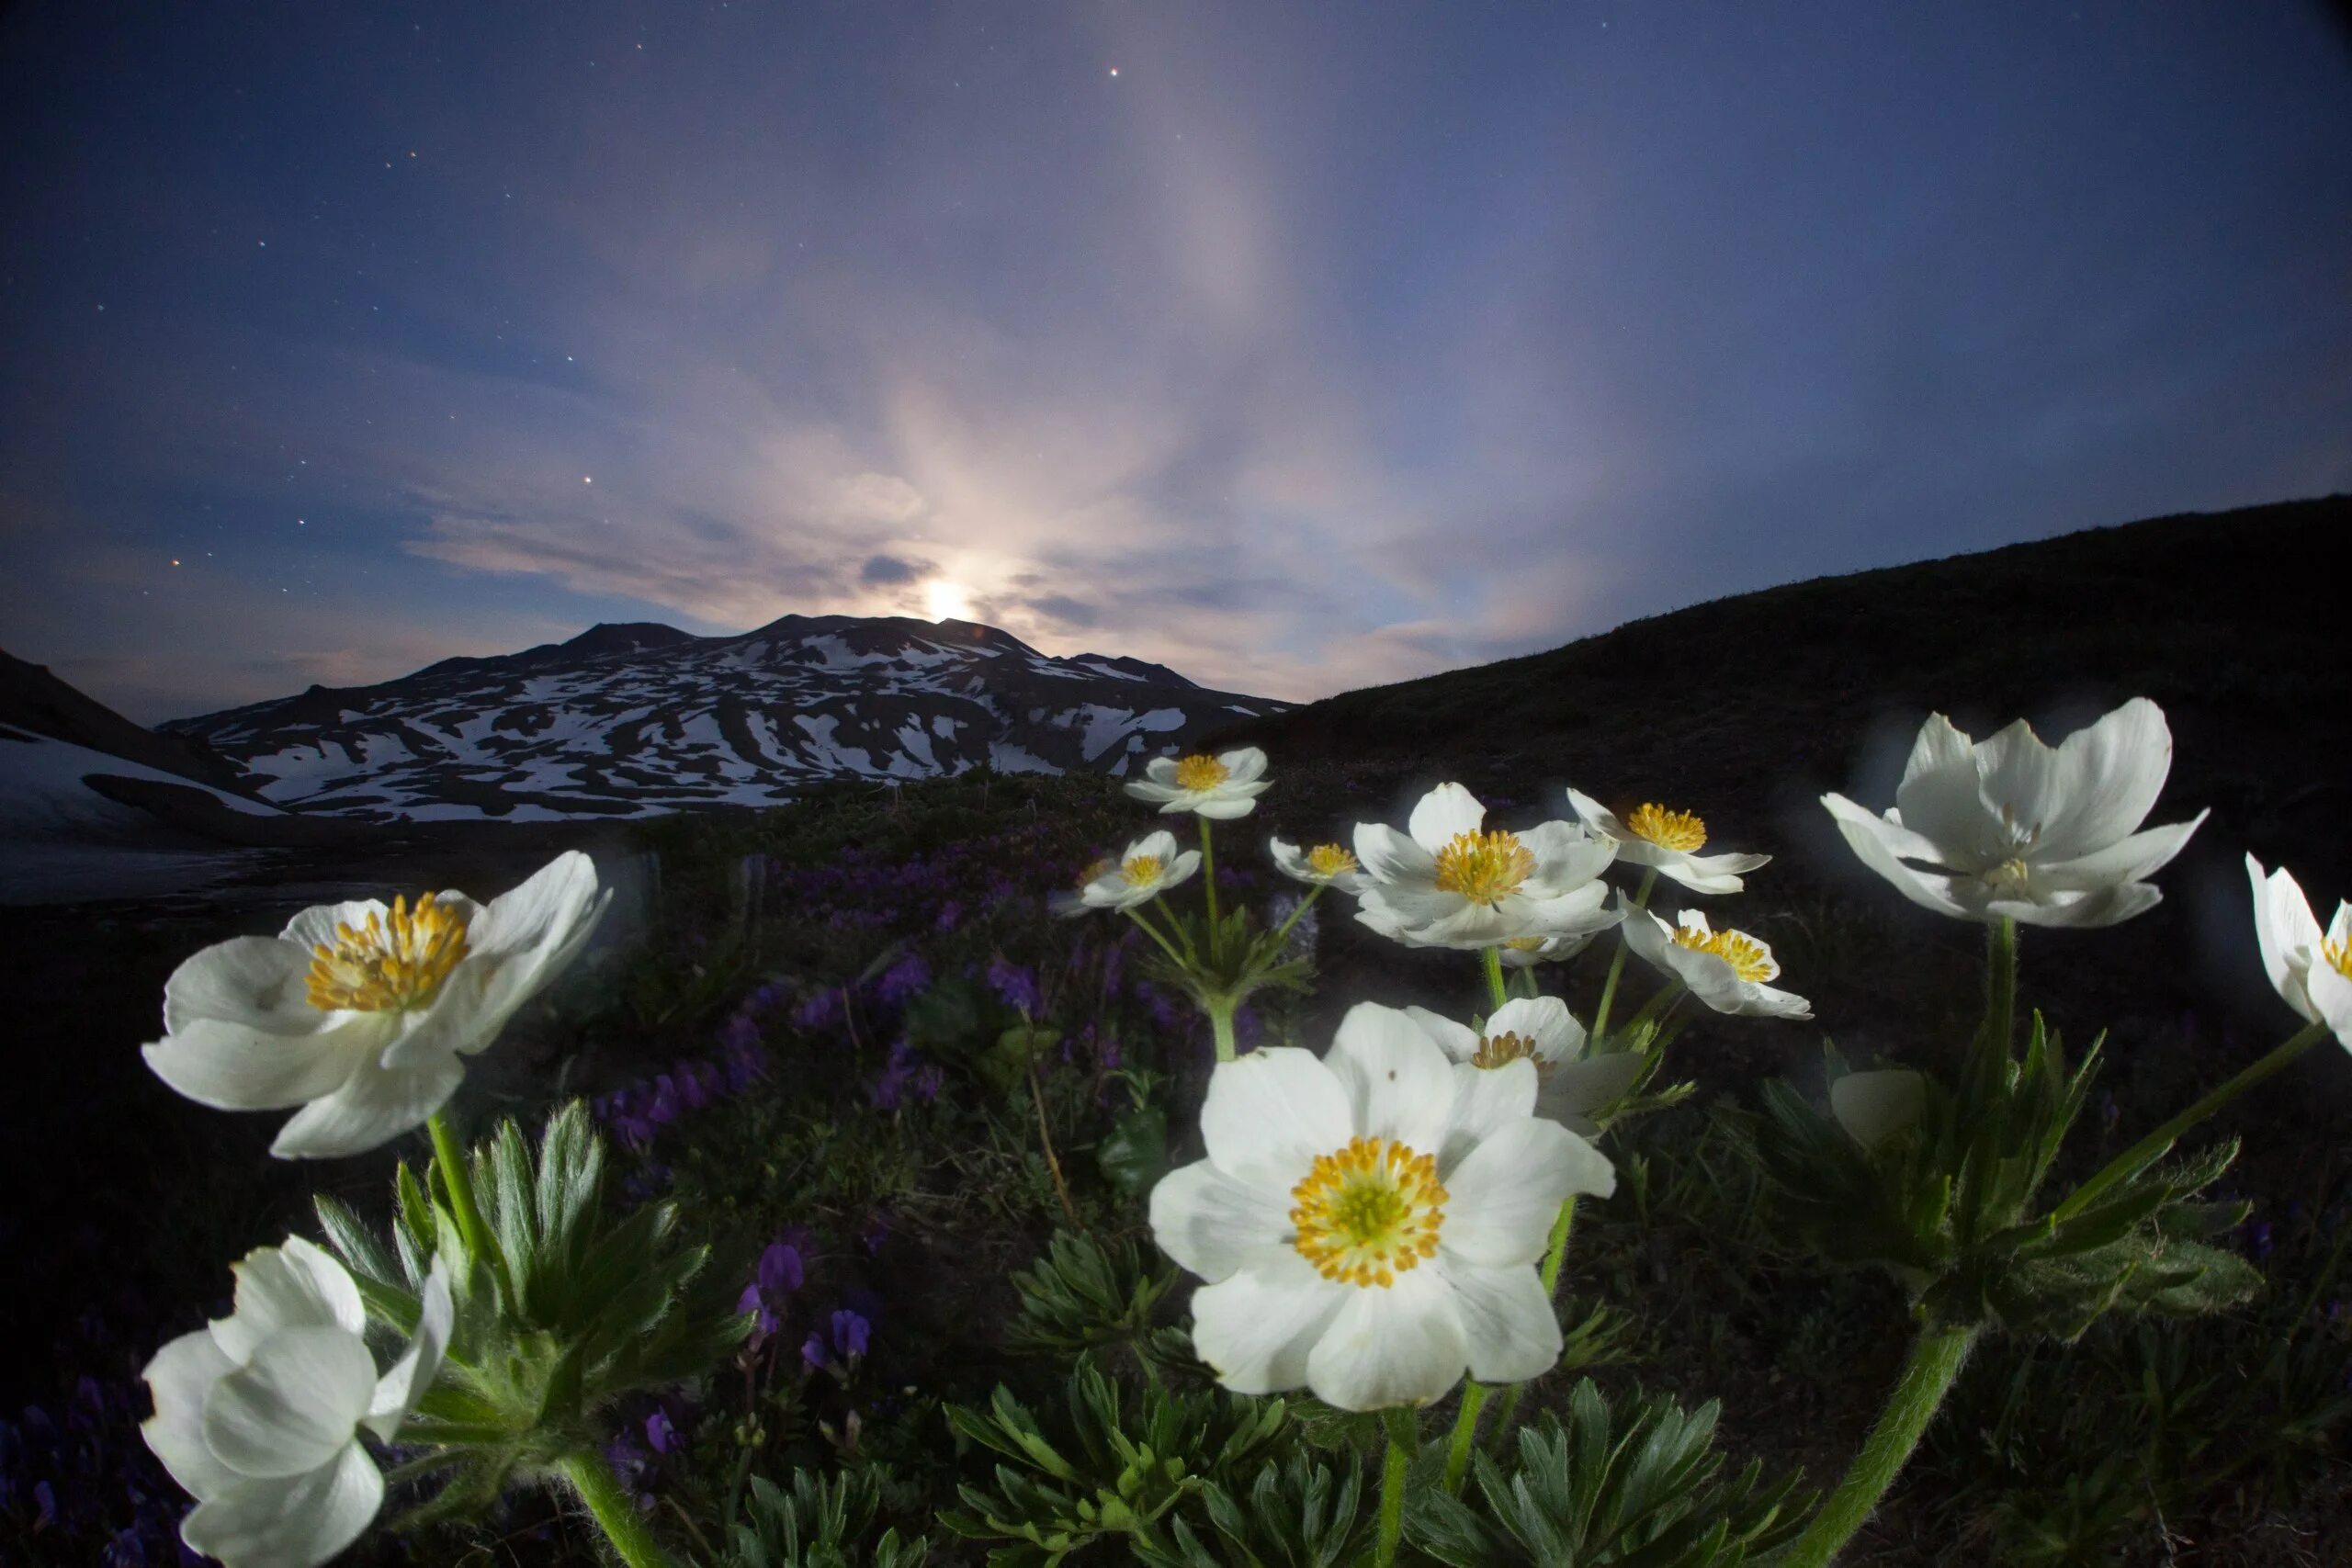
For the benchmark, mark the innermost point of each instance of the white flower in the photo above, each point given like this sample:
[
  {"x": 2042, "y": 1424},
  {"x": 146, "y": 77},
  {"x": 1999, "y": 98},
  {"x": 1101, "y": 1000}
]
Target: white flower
[
  {"x": 1569, "y": 1085},
  {"x": 1874, "y": 1106},
  {"x": 1724, "y": 969},
  {"x": 1527, "y": 951},
  {"x": 1445, "y": 883},
  {"x": 1150, "y": 867},
  {"x": 2009, "y": 828},
  {"x": 2311, "y": 970},
  {"x": 362, "y": 1015},
  {"x": 260, "y": 1415},
  {"x": 1223, "y": 787},
  {"x": 1669, "y": 840},
  {"x": 1359, "y": 1235},
  {"x": 1324, "y": 865}
]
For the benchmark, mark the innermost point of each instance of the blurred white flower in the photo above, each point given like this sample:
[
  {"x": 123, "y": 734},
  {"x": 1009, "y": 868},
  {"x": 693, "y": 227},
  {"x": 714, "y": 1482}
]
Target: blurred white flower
[
  {"x": 1874, "y": 1106},
  {"x": 1653, "y": 836},
  {"x": 1725, "y": 969},
  {"x": 1446, "y": 882},
  {"x": 2311, "y": 969},
  {"x": 1359, "y": 1238},
  {"x": 260, "y": 1415},
  {"x": 1221, "y": 787},
  {"x": 2012, "y": 829},
  {"x": 1569, "y": 1086},
  {"x": 363, "y": 1015},
  {"x": 1324, "y": 865},
  {"x": 1526, "y": 952},
  {"x": 1150, "y": 866}
]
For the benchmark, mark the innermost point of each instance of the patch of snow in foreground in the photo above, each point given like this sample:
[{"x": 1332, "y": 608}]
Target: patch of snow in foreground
[
  {"x": 43, "y": 794},
  {"x": 1008, "y": 758}
]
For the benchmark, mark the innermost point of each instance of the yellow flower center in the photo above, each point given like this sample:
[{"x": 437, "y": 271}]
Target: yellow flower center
[
  {"x": 1142, "y": 871},
  {"x": 1484, "y": 868},
  {"x": 388, "y": 966},
  {"x": 2338, "y": 955},
  {"x": 1368, "y": 1213},
  {"x": 1668, "y": 829},
  {"x": 1524, "y": 943},
  {"x": 2010, "y": 876},
  {"x": 1749, "y": 958},
  {"x": 1201, "y": 773},
  {"x": 1330, "y": 860},
  {"x": 1501, "y": 1050}
]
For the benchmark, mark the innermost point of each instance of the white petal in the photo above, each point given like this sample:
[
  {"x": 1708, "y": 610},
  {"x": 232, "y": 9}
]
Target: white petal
[
  {"x": 1458, "y": 1041},
  {"x": 1269, "y": 1114},
  {"x": 1648, "y": 936},
  {"x": 377, "y": 1105},
  {"x": 1567, "y": 859},
  {"x": 1180, "y": 869},
  {"x": 292, "y": 1407},
  {"x": 2332, "y": 999},
  {"x": 1766, "y": 1001},
  {"x": 2104, "y": 906},
  {"x": 1941, "y": 799},
  {"x": 1575, "y": 1089},
  {"x": 296, "y": 1285},
  {"x": 1443, "y": 814},
  {"x": 2286, "y": 933},
  {"x": 231, "y": 1067},
  {"x": 1543, "y": 1020},
  {"x": 2022, "y": 785},
  {"x": 1874, "y": 1106},
  {"x": 1214, "y": 1225},
  {"x": 1598, "y": 818},
  {"x": 1161, "y": 771},
  {"x": 1710, "y": 873},
  {"x": 181, "y": 1376},
  {"x": 1243, "y": 765},
  {"x": 1503, "y": 1198},
  {"x": 1387, "y": 855},
  {"x": 2126, "y": 860},
  {"x": 1158, "y": 793},
  {"x": 1401, "y": 1345},
  {"x": 1486, "y": 1100},
  {"x": 1257, "y": 1329},
  {"x": 406, "y": 1381},
  {"x": 1398, "y": 1083},
  {"x": 2109, "y": 774},
  {"x": 258, "y": 982},
  {"x": 300, "y": 1522},
  {"x": 1226, "y": 807},
  {"x": 1507, "y": 1320},
  {"x": 1873, "y": 841}
]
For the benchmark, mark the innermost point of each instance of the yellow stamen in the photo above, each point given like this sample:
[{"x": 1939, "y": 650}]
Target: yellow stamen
[
  {"x": 2009, "y": 877},
  {"x": 1668, "y": 829},
  {"x": 1484, "y": 868},
  {"x": 1330, "y": 860},
  {"x": 1749, "y": 958},
  {"x": 1524, "y": 943},
  {"x": 1501, "y": 1050},
  {"x": 1369, "y": 1212},
  {"x": 388, "y": 966},
  {"x": 1201, "y": 773},
  {"x": 2338, "y": 955},
  {"x": 1142, "y": 871}
]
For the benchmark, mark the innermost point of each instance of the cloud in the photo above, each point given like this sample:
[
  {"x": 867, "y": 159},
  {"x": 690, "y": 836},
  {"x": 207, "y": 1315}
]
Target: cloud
[{"x": 891, "y": 572}]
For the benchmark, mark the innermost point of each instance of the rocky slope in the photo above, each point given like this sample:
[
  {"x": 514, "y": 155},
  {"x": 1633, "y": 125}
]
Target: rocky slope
[{"x": 632, "y": 720}]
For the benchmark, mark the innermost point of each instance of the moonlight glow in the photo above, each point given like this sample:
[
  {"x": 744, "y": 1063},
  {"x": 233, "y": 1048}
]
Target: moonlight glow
[{"x": 946, "y": 601}]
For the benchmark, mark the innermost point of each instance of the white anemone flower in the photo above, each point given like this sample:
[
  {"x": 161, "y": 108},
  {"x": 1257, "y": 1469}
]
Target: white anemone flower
[
  {"x": 1569, "y": 1085},
  {"x": 2013, "y": 829},
  {"x": 2311, "y": 969},
  {"x": 1445, "y": 882},
  {"x": 364, "y": 1015},
  {"x": 1670, "y": 841},
  {"x": 260, "y": 1415},
  {"x": 1324, "y": 865},
  {"x": 1875, "y": 1105},
  {"x": 1527, "y": 951},
  {"x": 1725, "y": 969},
  {"x": 1150, "y": 866},
  {"x": 1221, "y": 787},
  {"x": 1359, "y": 1236}
]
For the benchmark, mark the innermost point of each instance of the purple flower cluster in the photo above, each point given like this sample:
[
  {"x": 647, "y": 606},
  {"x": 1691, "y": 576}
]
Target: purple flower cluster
[
  {"x": 906, "y": 1075},
  {"x": 840, "y": 1345},
  {"x": 780, "y": 1273},
  {"x": 1016, "y": 985},
  {"x": 638, "y": 1111}
]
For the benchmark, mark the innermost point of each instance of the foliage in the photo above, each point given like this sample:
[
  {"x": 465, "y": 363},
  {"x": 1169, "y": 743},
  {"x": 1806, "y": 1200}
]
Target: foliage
[
  {"x": 817, "y": 1522},
  {"x": 1084, "y": 1294}
]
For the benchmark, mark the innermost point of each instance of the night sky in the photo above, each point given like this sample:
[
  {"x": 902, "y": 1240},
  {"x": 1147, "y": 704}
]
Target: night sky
[{"x": 1298, "y": 346}]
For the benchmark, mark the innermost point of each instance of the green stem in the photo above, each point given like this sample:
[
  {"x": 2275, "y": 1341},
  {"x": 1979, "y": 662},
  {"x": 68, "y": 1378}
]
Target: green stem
[
  {"x": 1997, "y": 1038},
  {"x": 1221, "y": 1030},
  {"x": 1404, "y": 1441},
  {"x": 2150, "y": 1150},
  {"x": 1558, "y": 1251},
  {"x": 1153, "y": 931},
  {"x": 1304, "y": 905},
  {"x": 1495, "y": 989},
  {"x": 1466, "y": 1431},
  {"x": 1208, "y": 885},
  {"x": 1927, "y": 1372},
  {"x": 1617, "y": 962},
  {"x": 457, "y": 1175},
  {"x": 614, "y": 1511}
]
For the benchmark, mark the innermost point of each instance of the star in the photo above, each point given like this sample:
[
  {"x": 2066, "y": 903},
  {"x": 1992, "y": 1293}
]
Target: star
[{"x": 1114, "y": 71}]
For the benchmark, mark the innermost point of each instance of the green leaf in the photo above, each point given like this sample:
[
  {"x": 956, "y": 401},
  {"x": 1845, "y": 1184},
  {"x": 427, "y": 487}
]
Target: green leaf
[{"x": 1133, "y": 1156}]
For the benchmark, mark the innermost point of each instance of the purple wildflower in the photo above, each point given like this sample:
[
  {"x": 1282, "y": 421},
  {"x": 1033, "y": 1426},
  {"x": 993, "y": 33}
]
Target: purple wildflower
[
  {"x": 819, "y": 1010},
  {"x": 1017, "y": 985},
  {"x": 901, "y": 980},
  {"x": 950, "y": 914},
  {"x": 661, "y": 1437}
]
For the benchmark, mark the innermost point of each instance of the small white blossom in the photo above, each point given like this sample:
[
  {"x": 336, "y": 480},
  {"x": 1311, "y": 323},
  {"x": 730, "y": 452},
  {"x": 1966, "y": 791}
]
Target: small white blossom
[
  {"x": 1324, "y": 865},
  {"x": 364, "y": 1015},
  {"x": 1445, "y": 882},
  {"x": 2311, "y": 969},
  {"x": 1874, "y": 1106},
  {"x": 1653, "y": 836},
  {"x": 1150, "y": 866},
  {"x": 1725, "y": 969},
  {"x": 1569, "y": 1085},
  {"x": 2012, "y": 829},
  {"x": 1221, "y": 787}
]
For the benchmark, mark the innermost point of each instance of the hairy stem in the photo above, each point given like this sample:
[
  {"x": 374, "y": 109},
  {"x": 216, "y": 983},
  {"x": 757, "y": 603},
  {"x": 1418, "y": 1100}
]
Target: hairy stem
[
  {"x": 1404, "y": 1441},
  {"x": 1558, "y": 1251},
  {"x": 1465, "y": 1432},
  {"x": 457, "y": 1175},
  {"x": 1221, "y": 1030},
  {"x": 1497, "y": 992},
  {"x": 609, "y": 1504},
  {"x": 2150, "y": 1150},
  {"x": 1208, "y": 884},
  {"x": 1304, "y": 904},
  {"x": 1935, "y": 1360}
]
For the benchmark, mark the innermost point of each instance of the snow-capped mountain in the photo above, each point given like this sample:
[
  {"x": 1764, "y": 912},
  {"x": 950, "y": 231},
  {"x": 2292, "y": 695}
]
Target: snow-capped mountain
[{"x": 627, "y": 720}]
